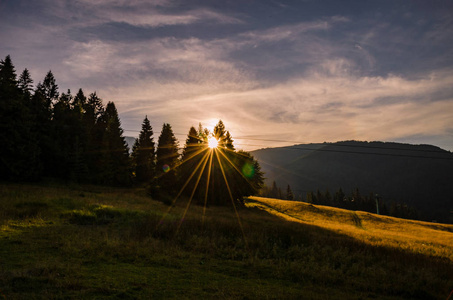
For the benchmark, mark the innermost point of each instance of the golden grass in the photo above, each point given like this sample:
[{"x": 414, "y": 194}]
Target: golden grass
[{"x": 432, "y": 239}]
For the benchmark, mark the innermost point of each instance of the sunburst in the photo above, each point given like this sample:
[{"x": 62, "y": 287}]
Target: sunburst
[{"x": 213, "y": 142}]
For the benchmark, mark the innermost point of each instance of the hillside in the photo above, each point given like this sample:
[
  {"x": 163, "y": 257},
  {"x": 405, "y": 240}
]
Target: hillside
[
  {"x": 91, "y": 242},
  {"x": 418, "y": 175},
  {"x": 376, "y": 230}
]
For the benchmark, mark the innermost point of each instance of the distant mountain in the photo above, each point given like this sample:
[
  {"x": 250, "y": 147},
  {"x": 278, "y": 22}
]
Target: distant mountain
[{"x": 418, "y": 175}]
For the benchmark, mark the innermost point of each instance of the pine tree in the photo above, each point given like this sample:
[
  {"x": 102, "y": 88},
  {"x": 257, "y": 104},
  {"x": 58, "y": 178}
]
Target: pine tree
[
  {"x": 25, "y": 83},
  {"x": 94, "y": 129},
  {"x": 274, "y": 190},
  {"x": 143, "y": 153},
  {"x": 49, "y": 89},
  {"x": 115, "y": 154},
  {"x": 192, "y": 156},
  {"x": 289, "y": 193},
  {"x": 45, "y": 95},
  {"x": 62, "y": 137},
  {"x": 166, "y": 161},
  {"x": 19, "y": 151},
  {"x": 79, "y": 102}
]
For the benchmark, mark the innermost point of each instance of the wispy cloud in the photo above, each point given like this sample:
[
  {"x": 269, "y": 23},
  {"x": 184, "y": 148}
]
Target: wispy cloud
[{"x": 322, "y": 78}]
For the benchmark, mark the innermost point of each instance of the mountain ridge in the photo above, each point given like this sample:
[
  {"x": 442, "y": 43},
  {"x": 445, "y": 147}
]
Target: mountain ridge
[{"x": 418, "y": 175}]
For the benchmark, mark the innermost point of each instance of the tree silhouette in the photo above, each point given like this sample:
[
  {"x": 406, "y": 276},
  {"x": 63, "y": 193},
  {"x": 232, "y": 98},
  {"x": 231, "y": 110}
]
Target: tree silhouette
[
  {"x": 166, "y": 161},
  {"x": 116, "y": 169},
  {"x": 218, "y": 175},
  {"x": 143, "y": 154},
  {"x": 25, "y": 83},
  {"x": 19, "y": 151},
  {"x": 289, "y": 193}
]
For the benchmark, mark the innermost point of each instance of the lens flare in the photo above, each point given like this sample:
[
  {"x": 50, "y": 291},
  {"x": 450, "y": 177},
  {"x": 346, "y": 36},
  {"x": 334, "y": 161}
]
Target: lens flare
[
  {"x": 248, "y": 170},
  {"x": 212, "y": 142},
  {"x": 166, "y": 168}
]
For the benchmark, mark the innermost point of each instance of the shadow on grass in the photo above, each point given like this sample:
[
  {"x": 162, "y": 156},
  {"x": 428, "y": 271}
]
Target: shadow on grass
[{"x": 99, "y": 250}]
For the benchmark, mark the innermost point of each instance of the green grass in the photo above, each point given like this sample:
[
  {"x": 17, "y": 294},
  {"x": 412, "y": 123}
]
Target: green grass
[{"x": 89, "y": 242}]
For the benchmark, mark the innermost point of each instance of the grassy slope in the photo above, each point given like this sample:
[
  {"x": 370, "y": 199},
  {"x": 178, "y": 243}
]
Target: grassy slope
[
  {"x": 431, "y": 239},
  {"x": 92, "y": 242}
]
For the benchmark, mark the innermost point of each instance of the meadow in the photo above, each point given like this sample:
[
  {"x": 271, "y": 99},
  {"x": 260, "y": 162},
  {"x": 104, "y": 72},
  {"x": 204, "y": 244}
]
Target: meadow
[{"x": 91, "y": 242}]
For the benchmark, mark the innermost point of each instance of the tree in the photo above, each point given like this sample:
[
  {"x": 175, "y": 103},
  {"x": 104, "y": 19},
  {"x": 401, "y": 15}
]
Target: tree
[
  {"x": 231, "y": 175},
  {"x": 45, "y": 95},
  {"x": 94, "y": 129},
  {"x": 166, "y": 161},
  {"x": 61, "y": 137},
  {"x": 339, "y": 198},
  {"x": 143, "y": 153},
  {"x": 49, "y": 89},
  {"x": 115, "y": 154},
  {"x": 243, "y": 176},
  {"x": 25, "y": 83},
  {"x": 289, "y": 193},
  {"x": 19, "y": 151},
  {"x": 79, "y": 102},
  {"x": 274, "y": 190}
]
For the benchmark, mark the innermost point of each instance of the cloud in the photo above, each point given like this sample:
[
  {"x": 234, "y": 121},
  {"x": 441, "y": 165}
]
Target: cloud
[
  {"x": 324, "y": 79},
  {"x": 136, "y": 13},
  {"x": 185, "y": 81}
]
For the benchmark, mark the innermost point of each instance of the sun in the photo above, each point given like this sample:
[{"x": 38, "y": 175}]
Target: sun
[{"x": 212, "y": 142}]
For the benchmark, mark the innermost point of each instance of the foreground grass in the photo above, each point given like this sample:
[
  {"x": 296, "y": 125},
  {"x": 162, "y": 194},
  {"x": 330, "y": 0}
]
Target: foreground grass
[{"x": 92, "y": 242}]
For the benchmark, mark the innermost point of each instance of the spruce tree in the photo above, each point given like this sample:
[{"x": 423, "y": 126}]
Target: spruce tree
[
  {"x": 166, "y": 161},
  {"x": 45, "y": 95},
  {"x": 192, "y": 156},
  {"x": 62, "y": 137},
  {"x": 115, "y": 154},
  {"x": 274, "y": 190},
  {"x": 289, "y": 193},
  {"x": 19, "y": 151},
  {"x": 25, "y": 83},
  {"x": 143, "y": 153},
  {"x": 94, "y": 129}
]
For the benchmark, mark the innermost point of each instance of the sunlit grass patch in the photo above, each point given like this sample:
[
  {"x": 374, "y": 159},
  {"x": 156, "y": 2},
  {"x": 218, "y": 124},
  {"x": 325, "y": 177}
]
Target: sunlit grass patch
[{"x": 415, "y": 236}]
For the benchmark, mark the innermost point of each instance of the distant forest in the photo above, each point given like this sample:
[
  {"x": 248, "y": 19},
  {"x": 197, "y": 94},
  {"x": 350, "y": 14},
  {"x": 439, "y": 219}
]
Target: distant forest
[
  {"x": 75, "y": 138},
  {"x": 372, "y": 203}
]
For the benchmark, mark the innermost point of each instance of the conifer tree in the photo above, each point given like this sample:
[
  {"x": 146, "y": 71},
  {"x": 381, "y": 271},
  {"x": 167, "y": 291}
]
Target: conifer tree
[
  {"x": 19, "y": 151},
  {"x": 49, "y": 89},
  {"x": 61, "y": 136},
  {"x": 166, "y": 161},
  {"x": 115, "y": 154},
  {"x": 143, "y": 153},
  {"x": 289, "y": 193},
  {"x": 192, "y": 155},
  {"x": 44, "y": 96},
  {"x": 25, "y": 83},
  {"x": 274, "y": 190},
  {"x": 94, "y": 129}
]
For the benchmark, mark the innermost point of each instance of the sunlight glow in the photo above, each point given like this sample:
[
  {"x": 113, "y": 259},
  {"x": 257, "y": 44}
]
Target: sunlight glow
[{"x": 212, "y": 142}]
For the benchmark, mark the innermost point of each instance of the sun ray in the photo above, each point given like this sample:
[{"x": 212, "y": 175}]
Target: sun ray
[
  {"x": 207, "y": 189},
  {"x": 232, "y": 200},
  {"x": 205, "y": 159},
  {"x": 235, "y": 167},
  {"x": 180, "y": 192}
]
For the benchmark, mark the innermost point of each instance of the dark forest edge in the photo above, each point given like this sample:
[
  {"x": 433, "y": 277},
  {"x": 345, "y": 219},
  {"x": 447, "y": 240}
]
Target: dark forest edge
[
  {"x": 372, "y": 203},
  {"x": 75, "y": 138}
]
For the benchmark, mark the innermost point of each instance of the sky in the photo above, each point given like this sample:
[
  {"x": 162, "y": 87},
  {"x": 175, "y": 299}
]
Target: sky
[{"x": 289, "y": 71}]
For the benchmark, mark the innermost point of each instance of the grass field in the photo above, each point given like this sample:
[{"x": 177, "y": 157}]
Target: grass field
[{"x": 90, "y": 242}]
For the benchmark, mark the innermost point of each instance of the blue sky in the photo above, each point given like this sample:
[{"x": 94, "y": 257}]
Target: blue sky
[{"x": 296, "y": 71}]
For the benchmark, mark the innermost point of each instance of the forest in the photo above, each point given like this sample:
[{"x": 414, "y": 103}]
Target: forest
[{"x": 76, "y": 138}]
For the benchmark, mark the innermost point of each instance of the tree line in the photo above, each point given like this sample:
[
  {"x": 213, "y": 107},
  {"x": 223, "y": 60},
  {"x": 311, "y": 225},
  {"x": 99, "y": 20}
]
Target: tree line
[
  {"x": 372, "y": 203},
  {"x": 77, "y": 138}
]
